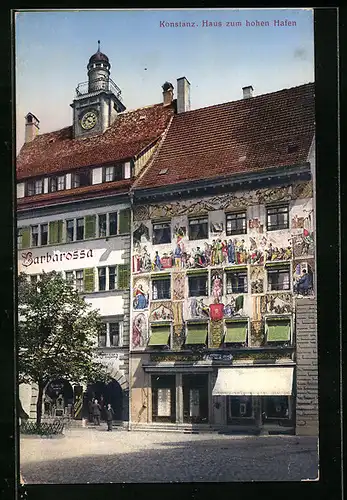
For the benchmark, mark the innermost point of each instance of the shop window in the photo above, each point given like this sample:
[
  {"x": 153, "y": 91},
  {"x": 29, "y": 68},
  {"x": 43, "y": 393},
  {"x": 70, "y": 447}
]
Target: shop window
[
  {"x": 161, "y": 233},
  {"x": 276, "y": 408},
  {"x": 198, "y": 228},
  {"x": 277, "y": 217},
  {"x": 198, "y": 285},
  {"x": 44, "y": 234},
  {"x": 239, "y": 409},
  {"x": 278, "y": 278},
  {"x": 161, "y": 289},
  {"x": 160, "y": 335},
  {"x": 236, "y": 223},
  {"x": 278, "y": 330},
  {"x": 34, "y": 236},
  {"x": 163, "y": 398},
  {"x": 195, "y": 398},
  {"x": 196, "y": 334},
  {"x": 236, "y": 282},
  {"x": 236, "y": 332},
  {"x": 80, "y": 229}
]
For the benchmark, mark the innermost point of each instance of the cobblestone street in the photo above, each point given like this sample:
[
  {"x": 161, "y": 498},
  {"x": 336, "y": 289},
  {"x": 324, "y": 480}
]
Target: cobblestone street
[{"x": 96, "y": 456}]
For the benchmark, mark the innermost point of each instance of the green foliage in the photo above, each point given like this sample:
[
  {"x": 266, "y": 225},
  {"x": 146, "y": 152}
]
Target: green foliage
[{"x": 57, "y": 332}]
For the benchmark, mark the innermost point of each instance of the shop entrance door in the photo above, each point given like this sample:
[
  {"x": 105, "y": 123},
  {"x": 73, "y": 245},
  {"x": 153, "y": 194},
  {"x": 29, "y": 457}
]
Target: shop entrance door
[{"x": 195, "y": 398}]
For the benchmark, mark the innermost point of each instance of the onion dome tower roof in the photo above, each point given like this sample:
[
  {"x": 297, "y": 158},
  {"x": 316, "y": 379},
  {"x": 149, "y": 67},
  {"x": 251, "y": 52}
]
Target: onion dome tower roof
[{"x": 98, "y": 56}]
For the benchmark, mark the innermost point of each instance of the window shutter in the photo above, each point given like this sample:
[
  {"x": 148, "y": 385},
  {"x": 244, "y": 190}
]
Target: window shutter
[
  {"x": 88, "y": 280},
  {"x": 55, "y": 231},
  {"x": 90, "y": 226},
  {"x": 124, "y": 221},
  {"x": 123, "y": 276},
  {"x": 25, "y": 237}
]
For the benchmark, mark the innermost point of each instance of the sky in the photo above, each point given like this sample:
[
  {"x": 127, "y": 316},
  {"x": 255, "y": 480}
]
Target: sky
[{"x": 53, "y": 48}]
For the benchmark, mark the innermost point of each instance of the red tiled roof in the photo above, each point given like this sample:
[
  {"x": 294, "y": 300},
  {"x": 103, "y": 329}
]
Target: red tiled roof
[
  {"x": 131, "y": 132},
  {"x": 239, "y": 136},
  {"x": 80, "y": 193}
]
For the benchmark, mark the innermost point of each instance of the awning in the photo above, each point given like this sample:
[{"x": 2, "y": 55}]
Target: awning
[
  {"x": 278, "y": 331},
  {"x": 254, "y": 381},
  {"x": 160, "y": 336},
  {"x": 236, "y": 332},
  {"x": 196, "y": 334}
]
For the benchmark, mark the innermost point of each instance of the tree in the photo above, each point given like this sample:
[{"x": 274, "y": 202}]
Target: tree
[{"x": 56, "y": 334}]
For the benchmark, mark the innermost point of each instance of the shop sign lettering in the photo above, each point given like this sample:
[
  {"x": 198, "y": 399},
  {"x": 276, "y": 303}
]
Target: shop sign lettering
[
  {"x": 218, "y": 357},
  {"x": 29, "y": 259}
]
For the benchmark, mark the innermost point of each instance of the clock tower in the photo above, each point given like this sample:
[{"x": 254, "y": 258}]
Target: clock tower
[{"x": 98, "y": 100}]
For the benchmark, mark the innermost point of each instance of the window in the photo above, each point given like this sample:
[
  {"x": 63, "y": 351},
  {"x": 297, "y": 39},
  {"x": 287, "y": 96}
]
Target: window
[
  {"x": 236, "y": 223},
  {"x": 52, "y": 184},
  {"x": 34, "y": 236},
  {"x": 34, "y": 278},
  {"x": 239, "y": 408},
  {"x": 30, "y": 188},
  {"x": 70, "y": 230},
  {"x": 161, "y": 289},
  {"x": 69, "y": 276},
  {"x": 198, "y": 228},
  {"x": 161, "y": 233},
  {"x": 19, "y": 238},
  {"x": 277, "y": 217},
  {"x": 112, "y": 278},
  {"x": 197, "y": 285},
  {"x": 112, "y": 227},
  {"x": 80, "y": 179},
  {"x": 277, "y": 407},
  {"x": 61, "y": 183},
  {"x": 80, "y": 229},
  {"x": 102, "y": 278},
  {"x": 102, "y": 225},
  {"x": 114, "y": 334},
  {"x": 278, "y": 330},
  {"x": 79, "y": 281},
  {"x": 237, "y": 282},
  {"x": 278, "y": 279},
  {"x": 236, "y": 332},
  {"x": 44, "y": 234},
  {"x": 112, "y": 173},
  {"x": 39, "y": 186},
  {"x": 102, "y": 336}
]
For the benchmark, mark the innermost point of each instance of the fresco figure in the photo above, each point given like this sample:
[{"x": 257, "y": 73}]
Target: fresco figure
[
  {"x": 288, "y": 253},
  {"x": 178, "y": 255},
  {"x": 217, "y": 288},
  {"x": 146, "y": 260},
  {"x": 218, "y": 253},
  {"x": 208, "y": 253},
  {"x": 269, "y": 252},
  {"x": 157, "y": 262},
  {"x": 202, "y": 309},
  {"x": 231, "y": 252},
  {"x": 304, "y": 284},
  {"x": 138, "y": 330},
  {"x": 141, "y": 299},
  {"x": 225, "y": 251},
  {"x": 213, "y": 253},
  {"x": 199, "y": 258}
]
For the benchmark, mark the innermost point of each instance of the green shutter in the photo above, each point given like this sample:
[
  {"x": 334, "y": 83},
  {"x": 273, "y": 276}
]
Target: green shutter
[
  {"x": 278, "y": 331},
  {"x": 90, "y": 226},
  {"x": 55, "y": 232},
  {"x": 25, "y": 237},
  {"x": 196, "y": 334},
  {"x": 123, "y": 276},
  {"x": 88, "y": 280},
  {"x": 236, "y": 332},
  {"x": 160, "y": 335},
  {"x": 124, "y": 221}
]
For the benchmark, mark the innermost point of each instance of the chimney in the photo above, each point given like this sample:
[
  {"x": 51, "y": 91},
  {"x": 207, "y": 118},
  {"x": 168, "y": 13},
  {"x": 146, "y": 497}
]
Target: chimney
[
  {"x": 167, "y": 93},
  {"x": 247, "y": 92},
  {"x": 31, "y": 127},
  {"x": 183, "y": 95}
]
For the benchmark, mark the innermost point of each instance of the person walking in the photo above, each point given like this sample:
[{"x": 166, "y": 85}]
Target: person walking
[
  {"x": 90, "y": 411},
  {"x": 96, "y": 412},
  {"x": 109, "y": 417}
]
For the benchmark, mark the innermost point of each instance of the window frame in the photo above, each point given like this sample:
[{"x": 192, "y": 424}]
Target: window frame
[
  {"x": 106, "y": 323},
  {"x": 235, "y": 216},
  {"x": 197, "y": 276},
  {"x": 161, "y": 280},
  {"x": 161, "y": 223},
  {"x": 32, "y": 233},
  {"x": 77, "y": 280},
  {"x": 112, "y": 176},
  {"x": 277, "y": 270},
  {"x": 41, "y": 233},
  {"x": 277, "y": 226},
  {"x": 79, "y": 227},
  {"x": 229, "y": 290},
  {"x": 199, "y": 223}
]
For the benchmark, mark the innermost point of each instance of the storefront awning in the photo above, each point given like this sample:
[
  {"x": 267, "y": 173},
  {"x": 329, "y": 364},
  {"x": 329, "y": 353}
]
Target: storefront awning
[
  {"x": 254, "y": 381},
  {"x": 196, "y": 334},
  {"x": 160, "y": 336},
  {"x": 236, "y": 332},
  {"x": 278, "y": 331}
]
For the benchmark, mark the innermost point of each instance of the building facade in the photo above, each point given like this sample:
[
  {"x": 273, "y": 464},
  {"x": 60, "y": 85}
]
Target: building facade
[
  {"x": 218, "y": 260},
  {"x": 73, "y": 216}
]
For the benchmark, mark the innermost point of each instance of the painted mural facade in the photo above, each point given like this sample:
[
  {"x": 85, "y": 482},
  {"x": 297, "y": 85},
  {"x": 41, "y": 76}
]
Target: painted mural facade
[{"x": 191, "y": 262}]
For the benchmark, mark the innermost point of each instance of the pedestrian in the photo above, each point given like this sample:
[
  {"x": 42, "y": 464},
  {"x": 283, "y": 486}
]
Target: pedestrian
[
  {"x": 90, "y": 410},
  {"x": 96, "y": 412},
  {"x": 109, "y": 417}
]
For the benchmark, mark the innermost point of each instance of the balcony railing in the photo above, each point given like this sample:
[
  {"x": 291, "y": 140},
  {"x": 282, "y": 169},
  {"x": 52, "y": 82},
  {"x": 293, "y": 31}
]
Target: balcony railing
[{"x": 96, "y": 85}]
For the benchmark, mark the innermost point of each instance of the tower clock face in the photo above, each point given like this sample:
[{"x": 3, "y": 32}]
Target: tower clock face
[{"x": 89, "y": 120}]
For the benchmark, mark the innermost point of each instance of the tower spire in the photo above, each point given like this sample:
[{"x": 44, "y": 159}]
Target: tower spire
[{"x": 98, "y": 45}]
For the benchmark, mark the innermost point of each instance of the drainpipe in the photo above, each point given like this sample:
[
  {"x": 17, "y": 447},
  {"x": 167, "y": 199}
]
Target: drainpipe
[{"x": 131, "y": 197}]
